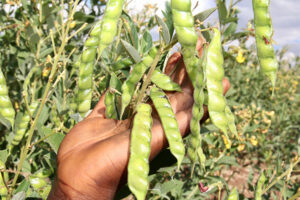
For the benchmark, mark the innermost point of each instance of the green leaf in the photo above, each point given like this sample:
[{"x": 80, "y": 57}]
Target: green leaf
[
  {"x": 222, "y": 11},
  {"x": 115, "y": 82},
  {"x": 230, "y": 29},
  {"x": 133, "y": 53},
  {"x": 174, "y": 186},
  {"x": 54, "y": 140},
  {"x": 19, "y": 196},
  {"x": 24, "y": 185},
  {"x": 146, "y": 42},
  {"x": 5, "y": 122},
  {"x": 168, "y": 16},
  {"x": 204, "y": 14},
  {"x": 229, "y": 160},
  {"x": 165, "y": 29},
  {"x": 132, "y": 32},
  {"x": 3, "y": 155}
]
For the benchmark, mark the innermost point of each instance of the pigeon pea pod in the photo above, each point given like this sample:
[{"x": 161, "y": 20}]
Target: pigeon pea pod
[
  {"x": 110, "y": 108},
  {"x": 101, "y": 36},
  {"x": 197, "y": 114},
  {"x": 169, "y": 123},
  {"x": 214, "y": 77},
  {"x": 263, "y": 36},
  {"x": 6, "y": 108},
  {"x": 137, "y": 73},
  {"x": 186, "y": 34},
  {"x": 140, "y": 148},
  {"x": 164, "y": 82},
  {"x": 23, "y": 124}
]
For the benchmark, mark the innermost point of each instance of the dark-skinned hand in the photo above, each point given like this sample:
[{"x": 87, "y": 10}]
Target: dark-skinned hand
[{"x": 93, "y": 157}]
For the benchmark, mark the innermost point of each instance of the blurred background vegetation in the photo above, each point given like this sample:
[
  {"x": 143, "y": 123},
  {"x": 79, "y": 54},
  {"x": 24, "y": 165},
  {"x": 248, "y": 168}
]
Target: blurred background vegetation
[{"x": 33, "y": 35}]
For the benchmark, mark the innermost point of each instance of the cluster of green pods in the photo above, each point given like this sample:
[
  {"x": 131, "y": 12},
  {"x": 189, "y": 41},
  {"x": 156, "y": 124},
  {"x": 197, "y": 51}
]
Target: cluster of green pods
[
  {"x": 263, "y": 36},
  {"x": 101, "y": 36},
  {"x": 21, "y": 127},
  {"x": 187, "y": 37},
  {"x": 137, "y": 73},
  {"x": 140, "y": 148},
  {"x": 6, "y": 108},
  {"x": 169, "y": 123}
]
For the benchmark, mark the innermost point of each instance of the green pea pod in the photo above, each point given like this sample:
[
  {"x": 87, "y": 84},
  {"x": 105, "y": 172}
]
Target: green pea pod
[
  {"x": 110, "y": 108},
  {"x": 169, "y": 123},
  {"x": 164, "y": 82},
  {"x": 195, "y": 147},
  {"x": 263, "y": 36},
  {"x": 137, "y": 73},
  {"x": 6, "y": 108},
  {"x": 122, "y": 63},
  {"x": 140, "y": 148},
  {"x": 231, "y": 123},
  {"x": 259, "y": 187},
  {"x": 109, "y": 25},
  {"x": 234, "y": 195},
  {"x": 21, "y": 127},
  {"x": 184, "y": 24},
  {"x": 111, "y": 103},
  {"x": 101, "y": 37},
  {"x": 214, "y": 77}
]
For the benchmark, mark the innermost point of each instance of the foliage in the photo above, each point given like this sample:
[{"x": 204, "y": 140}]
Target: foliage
[{"x": 41, "y": 44}]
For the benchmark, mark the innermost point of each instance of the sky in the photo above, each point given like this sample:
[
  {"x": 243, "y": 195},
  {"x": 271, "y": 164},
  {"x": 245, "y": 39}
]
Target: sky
[{"x": 285, "y": 15}]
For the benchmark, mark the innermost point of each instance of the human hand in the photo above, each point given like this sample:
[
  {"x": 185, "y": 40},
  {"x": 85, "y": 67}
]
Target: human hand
[{"x": 93, "y": 157}]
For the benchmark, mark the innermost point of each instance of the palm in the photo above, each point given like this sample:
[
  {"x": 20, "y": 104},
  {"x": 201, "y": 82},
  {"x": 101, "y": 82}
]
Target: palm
[{"x": 93, "y": 157}]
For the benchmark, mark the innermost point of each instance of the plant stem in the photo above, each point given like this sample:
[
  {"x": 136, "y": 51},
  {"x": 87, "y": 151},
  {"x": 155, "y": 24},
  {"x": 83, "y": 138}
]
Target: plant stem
[
  {"x": 44, "y": 98},
  {"x": 287, "y": 172},
  {"x": 149, "y": 75}
]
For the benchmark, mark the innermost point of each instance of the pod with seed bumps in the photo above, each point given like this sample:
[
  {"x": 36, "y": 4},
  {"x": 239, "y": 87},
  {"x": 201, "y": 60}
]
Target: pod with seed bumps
[
  {"x": 140, "y": 148},
  {"x": 137, "y": 73},
  {"x": 263, "y": 36},
  {"x": 184, "y": 24},
  {"x": 101, "y": 36},
  {"x": 169, "y": 123},
  {"x": 6, "y": 108},
  {"x": 214, "y": 77},
  {"x": 21, "y": 127},
  {"x": 110, "y": 108},
  {"x": 164, "y": 82}
]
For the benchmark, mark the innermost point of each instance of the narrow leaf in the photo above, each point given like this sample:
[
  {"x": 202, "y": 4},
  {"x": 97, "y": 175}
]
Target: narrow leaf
[
  {"x": 133, "y": 53},
  {"x": 204, "y": 14},
  {"x": 165, "y": 29}
]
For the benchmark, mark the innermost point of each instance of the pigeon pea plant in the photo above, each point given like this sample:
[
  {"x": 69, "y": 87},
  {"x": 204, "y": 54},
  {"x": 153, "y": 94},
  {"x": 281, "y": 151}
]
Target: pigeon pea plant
[{"x": 56, "y": 71}]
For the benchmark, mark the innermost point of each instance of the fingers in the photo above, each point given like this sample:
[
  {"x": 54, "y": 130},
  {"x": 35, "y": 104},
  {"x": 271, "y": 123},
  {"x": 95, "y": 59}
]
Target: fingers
[
  {"x": 226, "y": 85},
  {"x": 99, "y": 110},
  {"x": 199, "y": 45}
]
